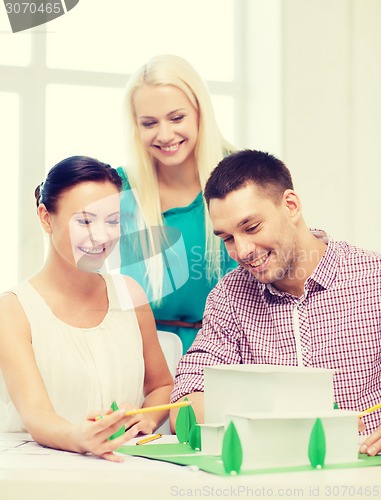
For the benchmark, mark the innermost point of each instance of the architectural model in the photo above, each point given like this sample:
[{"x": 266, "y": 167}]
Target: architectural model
[{"x": 283, "y": 416}]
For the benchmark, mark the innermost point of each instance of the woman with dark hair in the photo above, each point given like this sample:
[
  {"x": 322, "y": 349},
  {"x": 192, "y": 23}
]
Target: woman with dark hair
[{"x": 72, "y": 340}]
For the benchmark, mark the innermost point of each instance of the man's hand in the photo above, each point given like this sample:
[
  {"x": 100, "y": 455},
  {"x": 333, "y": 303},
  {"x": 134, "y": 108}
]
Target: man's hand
[{"x": 372, "y": 445}]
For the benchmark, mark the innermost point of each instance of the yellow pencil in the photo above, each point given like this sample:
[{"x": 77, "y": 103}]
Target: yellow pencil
[
  {"x": 149, "y": 439},
  {"x": 369, "y": 410},
  {"x": 147, "y": 409}
]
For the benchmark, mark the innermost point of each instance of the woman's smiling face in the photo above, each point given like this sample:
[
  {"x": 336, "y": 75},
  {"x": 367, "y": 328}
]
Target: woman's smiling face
[
  {"x": 167, "y": 123},
  {"x": 86, "y": 225}
]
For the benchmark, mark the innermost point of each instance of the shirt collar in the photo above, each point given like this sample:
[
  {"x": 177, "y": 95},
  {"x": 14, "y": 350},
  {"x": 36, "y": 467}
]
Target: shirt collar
[{"x": 326, "y": 270}]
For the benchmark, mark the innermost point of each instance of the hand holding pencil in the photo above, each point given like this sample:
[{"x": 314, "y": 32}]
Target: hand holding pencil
[
  {"x": 147, "y": 419},
  {"x": 135, "y": 420},
  {"x": 93, "y": 436}
]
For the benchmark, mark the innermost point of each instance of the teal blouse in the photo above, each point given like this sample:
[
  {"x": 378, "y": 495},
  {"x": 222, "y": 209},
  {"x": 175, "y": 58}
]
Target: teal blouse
[{"x": 185, "y": 282}]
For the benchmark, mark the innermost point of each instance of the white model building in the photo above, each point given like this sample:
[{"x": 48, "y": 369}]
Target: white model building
[{"x": 274, "y": 409}]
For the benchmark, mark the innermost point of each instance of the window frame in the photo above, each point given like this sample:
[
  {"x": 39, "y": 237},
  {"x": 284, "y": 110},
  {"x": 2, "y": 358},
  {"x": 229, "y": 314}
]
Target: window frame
[{"x": 31, "y": 82}]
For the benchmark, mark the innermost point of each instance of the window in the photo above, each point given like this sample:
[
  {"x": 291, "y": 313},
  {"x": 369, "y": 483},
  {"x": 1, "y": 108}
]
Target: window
[
  {"x": 14, "y": 50},
  {"x": 86, "y": 122},
  {"x": 136, "y": 30},
  {"x": 61, "y": 91},
  {"x": 9, "y": 199}
]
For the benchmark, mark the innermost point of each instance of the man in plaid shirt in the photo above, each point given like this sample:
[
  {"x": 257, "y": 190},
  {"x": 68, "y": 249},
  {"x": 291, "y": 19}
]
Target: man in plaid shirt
[{"x": 297, "y": 297}]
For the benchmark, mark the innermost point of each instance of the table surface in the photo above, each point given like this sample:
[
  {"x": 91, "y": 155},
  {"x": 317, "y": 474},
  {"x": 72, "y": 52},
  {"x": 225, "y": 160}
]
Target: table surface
[{"x": 29, "y": 471}]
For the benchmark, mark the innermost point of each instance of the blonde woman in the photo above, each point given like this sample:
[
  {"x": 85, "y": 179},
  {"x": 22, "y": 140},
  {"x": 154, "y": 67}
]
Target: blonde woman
[{"x": 173, "y": 143}]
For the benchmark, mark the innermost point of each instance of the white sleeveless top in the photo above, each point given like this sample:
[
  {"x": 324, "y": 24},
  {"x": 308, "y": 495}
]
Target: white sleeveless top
[{"x": 84, "y": 369}]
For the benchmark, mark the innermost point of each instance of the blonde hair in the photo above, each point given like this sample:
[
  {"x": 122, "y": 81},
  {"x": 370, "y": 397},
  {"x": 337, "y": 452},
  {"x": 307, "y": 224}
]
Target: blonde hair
[{"x": 211, "y": 147}]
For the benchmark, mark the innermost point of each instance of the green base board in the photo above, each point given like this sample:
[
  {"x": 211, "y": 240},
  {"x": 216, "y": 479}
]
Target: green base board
[{"x": 183, "y": 454}]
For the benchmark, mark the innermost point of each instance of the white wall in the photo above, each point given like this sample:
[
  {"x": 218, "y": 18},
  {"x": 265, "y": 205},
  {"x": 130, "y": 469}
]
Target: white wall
[
  {"x": 329, "y": 59},
  {"x": 366, "y": 123}
]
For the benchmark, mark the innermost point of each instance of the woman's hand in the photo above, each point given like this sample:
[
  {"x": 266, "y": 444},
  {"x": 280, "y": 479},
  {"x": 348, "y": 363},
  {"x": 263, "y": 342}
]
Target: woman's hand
[
  {"x": 142, "y": 423},
  {"x": 93, "y": 435}
]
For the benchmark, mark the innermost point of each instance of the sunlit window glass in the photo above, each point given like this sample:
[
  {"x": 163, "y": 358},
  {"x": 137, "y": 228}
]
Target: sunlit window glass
[
  {"x": 135, "y": 31},
  {"x": 9, "y": 199},
  {"x": 88, "y": 121},
  {"x": 15, "y": 48}
]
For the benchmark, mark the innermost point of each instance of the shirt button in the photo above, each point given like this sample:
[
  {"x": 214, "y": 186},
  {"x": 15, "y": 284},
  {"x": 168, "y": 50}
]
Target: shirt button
[{"x": 304, "y": 350}]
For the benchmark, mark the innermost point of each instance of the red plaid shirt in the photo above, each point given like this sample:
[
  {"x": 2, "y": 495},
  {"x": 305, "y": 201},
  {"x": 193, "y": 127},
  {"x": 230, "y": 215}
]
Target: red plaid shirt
[{"x": 335, "y": 324}]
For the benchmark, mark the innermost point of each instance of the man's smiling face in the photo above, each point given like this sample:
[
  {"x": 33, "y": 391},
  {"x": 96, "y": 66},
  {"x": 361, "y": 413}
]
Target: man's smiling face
[{"x": 258, "y": 232}]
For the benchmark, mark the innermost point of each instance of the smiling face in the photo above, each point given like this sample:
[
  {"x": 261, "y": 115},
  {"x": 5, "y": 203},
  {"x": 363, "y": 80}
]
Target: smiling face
[
  {"x": 258, "y": 233},
  {"x": 85, "y": 228},
  {"x": 167, "y": 124}
]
